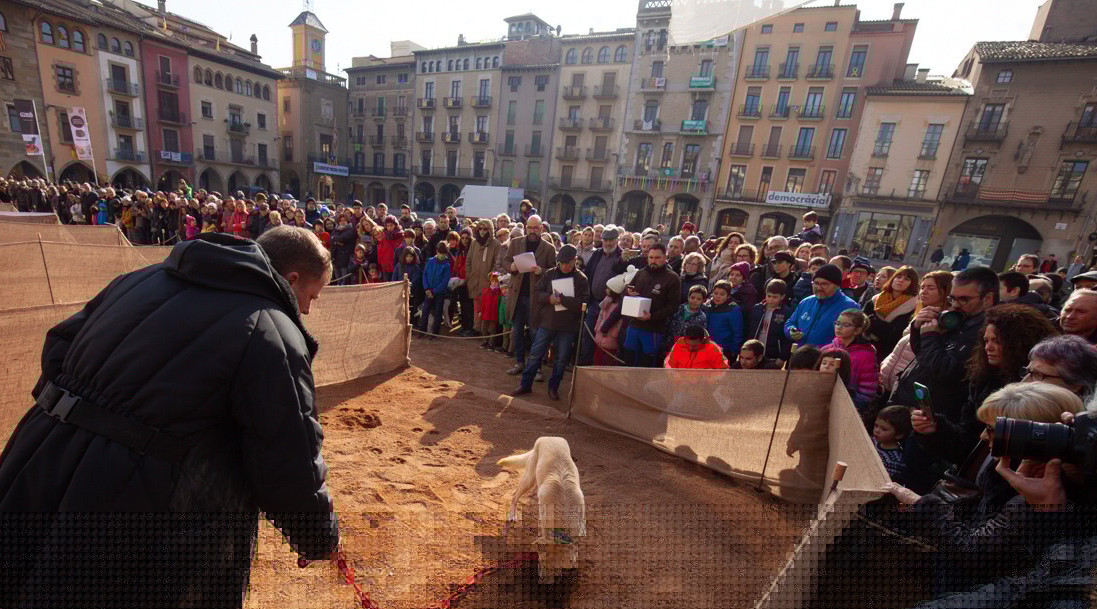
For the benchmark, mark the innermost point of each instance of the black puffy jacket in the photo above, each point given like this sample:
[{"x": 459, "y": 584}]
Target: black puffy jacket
[{"x": 207, "y": 347}]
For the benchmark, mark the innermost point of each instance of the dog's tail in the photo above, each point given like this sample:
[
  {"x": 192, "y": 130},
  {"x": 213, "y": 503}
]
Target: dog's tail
[{"x": 517, "y": 462}]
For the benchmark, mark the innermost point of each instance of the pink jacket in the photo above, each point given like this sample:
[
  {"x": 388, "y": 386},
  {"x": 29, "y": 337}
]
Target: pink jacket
[
  {"x": 864, "y": 373},
  {"x": 900, "y": 358},
  {"x": 608, "y": 342}
]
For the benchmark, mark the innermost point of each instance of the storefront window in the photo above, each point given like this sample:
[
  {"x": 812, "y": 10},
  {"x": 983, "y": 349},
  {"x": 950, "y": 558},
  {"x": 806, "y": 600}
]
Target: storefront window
[
  {"x": 774, "y": 223},
  {"x": 882, "y": 236},
  {"x": 731, "y": 221}
]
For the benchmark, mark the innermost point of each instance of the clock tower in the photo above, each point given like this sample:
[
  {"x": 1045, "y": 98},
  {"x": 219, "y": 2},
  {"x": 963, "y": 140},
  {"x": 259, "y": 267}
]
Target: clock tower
[{"x": 308, "y": 41}]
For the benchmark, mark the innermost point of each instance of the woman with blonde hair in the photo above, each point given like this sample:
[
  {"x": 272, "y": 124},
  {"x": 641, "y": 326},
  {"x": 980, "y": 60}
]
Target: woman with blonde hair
[{"x": 724, "y": 256}]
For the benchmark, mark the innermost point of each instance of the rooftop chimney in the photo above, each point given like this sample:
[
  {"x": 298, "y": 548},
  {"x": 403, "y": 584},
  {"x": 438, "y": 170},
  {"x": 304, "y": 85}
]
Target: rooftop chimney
[
  {"x": 909, "y": 72},
  {"x": 896, "y": 11},
  {"x": 254, "y": 44},
  {"x": 922, "y": 74},
  {"x": 162, "y": 10}
]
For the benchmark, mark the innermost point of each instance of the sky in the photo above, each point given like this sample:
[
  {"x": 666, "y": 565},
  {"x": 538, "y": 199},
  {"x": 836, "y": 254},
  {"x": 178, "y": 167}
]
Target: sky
[{"x": 947, "y": 29}]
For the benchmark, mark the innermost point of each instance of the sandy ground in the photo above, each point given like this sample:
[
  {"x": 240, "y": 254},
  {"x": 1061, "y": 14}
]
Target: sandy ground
[{"x": 421, "y": 502}]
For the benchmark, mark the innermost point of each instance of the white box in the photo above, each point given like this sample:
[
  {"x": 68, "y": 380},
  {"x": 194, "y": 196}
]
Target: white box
[
  {"x": 525, "y": 262},
  {"x": 565, "y": 287},
  {"x": 634, "y": 306}
]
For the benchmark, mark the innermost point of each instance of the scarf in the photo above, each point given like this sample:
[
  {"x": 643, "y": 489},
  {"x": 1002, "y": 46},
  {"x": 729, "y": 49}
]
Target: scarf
[{"x": 887, "y": 302}]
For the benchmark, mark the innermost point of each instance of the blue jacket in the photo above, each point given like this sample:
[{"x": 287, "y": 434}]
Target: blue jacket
[
  {"x": 436, "y": 277},
  {"x": 815, "y": 318},
  {"x": 725, "y": 326},
  {"x": 778, "y": 346},
  {"x": 413, "y": 271}
]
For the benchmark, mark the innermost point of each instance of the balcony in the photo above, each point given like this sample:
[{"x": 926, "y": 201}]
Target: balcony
[
  {"x": 702, "y": 82},
  {"x": 601, "y": 123},
  {"x": 452, "y": 102},
  {"x": 237, "y": 128},
  {"x": 426, "y": 103},
  {"x": 400, "y": 141},
  {"x": 377, "y": 141},
  {"x": 451, "y": 137},
  {"x": 989, "y": 132},
  {"x": 174, "y": 158},
  {"x": 424, "y": 137},
  {"x": 749, "y": 111},
  {"x": 928, "y": 152},
  {"x": 385, "y": 172},
  {"x": 801, "y": 153},
  {"x": 654, "y": 126},
  {"x": 169, "y": 115},
  {"x": 574, "y": 92},
  {"x": 788, "y": 71},
  {"x": 778, "y": 112},
  {"x": 694, "y": 128},
  {"x": 400, "y": 112},
  {"x": 574, "y": 183},
  {"x": 359, "y": 113},
  {"x": 734, "y": 193},
  {"x": 167, "y": 79},
  {"x": 606, "y": 92},
  {"x": 534, "y": 151},
  {"x": 567, "y": 153},
  {"x": 478, "y": 137},
  {"x": 571, "y": 124},
  {"x": 881, "y": 149},
  {"x": 480, "y": 101},
  {"x": 1080, "y": 134},
  {"x": 128, "y": 154},
  {"x": 811, "y": 113},
  {"x": 125, "y": 121},
  {"x": 506, "y": 149},
  {"x": 971, "y": 192},
  {"x": 378, "y": 113},
  {"x": 770, "y": 151},
  {"x": 597, "y": 156},
  {"x": 820, "y": 71},
  {"x": 755, "y": 72},
  {"x": 455, "y": 172},
  {"x": 123, "y": 87},
  {"x": 653, "y": 84},
  {"x": 744, "y": 149}
]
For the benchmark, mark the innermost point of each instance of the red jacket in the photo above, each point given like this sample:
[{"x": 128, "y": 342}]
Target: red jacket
[
  {"x": 386, "y": 250},
  {"x": 457, "y": 265},
  {"x": 239, "y": 223},
  {"x": 709, "y": 355},
  {"x": 489, "y": 304}
]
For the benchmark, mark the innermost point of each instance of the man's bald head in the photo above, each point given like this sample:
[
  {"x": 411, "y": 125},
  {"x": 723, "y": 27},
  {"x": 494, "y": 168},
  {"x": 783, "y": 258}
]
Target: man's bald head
[{"x": 534, "y": 227}]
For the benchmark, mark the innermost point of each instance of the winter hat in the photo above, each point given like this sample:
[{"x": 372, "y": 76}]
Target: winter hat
[
  {"x": 609, "y": 232},
  {"x": 830, "y": 273},
  {"x": 504, "y": 280},
  {"x": 617, "y": 283},
  {"x": 566, "y": 254},
  {"x": 784, "y": 256},
  {"x": 742, "y": 267}
]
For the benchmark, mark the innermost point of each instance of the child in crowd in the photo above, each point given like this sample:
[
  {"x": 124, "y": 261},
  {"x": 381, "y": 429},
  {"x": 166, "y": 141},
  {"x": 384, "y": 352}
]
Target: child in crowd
[
  {"x": 752, "y": 357},
  {"x": 323, "y": 235},
  {"x": 409, "y": 243},
  {"x": 358, "y": 266},
  {"x": 409, "y": 265},
  {"x": 607, "y": 328},
  {"x": 724, "y": 319},
  {"x": 835, "y": 361},
  {"x": 888, "y": 434},
  {"x": 743, "y": 292},
  {"x": 802, "y": 288},
  {"x": 435, "y": 287},
  {"x": 695, "y": 350},
  {"x": 804, "y": 358},
  {"x": 689, "y": 314},
  {"x": 489, "y": 306},
  {"x": 373, "y": 274},
  {"x": 505, "y": 326},
  {"x": 864, "y": 370},
  {"x": 192, "y": 227},
  {"x": 767, "y": 322}
]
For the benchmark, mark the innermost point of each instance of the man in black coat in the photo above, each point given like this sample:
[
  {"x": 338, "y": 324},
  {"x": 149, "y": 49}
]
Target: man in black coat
[
  {"x": 598, "y": 272},
  {"x": 171, "y": 411}
]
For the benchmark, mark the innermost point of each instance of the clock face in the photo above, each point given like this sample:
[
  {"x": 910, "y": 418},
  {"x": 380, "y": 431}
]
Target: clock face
[{"x": 316, "y": 46}]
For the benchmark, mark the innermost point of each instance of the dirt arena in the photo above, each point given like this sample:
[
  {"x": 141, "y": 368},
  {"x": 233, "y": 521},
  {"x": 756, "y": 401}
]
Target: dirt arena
[{"x": 421, "y": 502}]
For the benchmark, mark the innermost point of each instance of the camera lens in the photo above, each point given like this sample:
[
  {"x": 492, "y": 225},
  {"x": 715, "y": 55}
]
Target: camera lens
[
  {"x": 1021, "y": 439},
  {"x": 949, "y": 320}
]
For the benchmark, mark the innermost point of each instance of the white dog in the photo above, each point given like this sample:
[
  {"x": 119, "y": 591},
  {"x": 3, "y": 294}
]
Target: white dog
[{"x": 561, "y": 506}]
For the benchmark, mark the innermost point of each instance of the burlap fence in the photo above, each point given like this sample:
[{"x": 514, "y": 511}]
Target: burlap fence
[
  {"x": 31, "y": 217},
  {"x": 14, "y": 231}
]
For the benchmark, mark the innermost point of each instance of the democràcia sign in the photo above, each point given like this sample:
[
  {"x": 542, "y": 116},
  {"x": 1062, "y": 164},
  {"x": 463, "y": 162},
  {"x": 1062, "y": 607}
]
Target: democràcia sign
[{"x": 798, "y": 199}]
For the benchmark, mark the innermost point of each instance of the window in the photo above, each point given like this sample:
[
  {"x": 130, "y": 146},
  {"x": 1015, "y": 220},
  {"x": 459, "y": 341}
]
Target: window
[
  {"x": 454, "y": 92},
  {"x": 287, "y": 147},
  {"x": 752, "y": 103},
  {"x": 534, "y": 175},
  {"x": 931, "y": 141},
  {"x": 7, "y": 70},
  {"x": 3, "y": 23},
  {"x": 668, "y": 155},
  {"x": 171, "y": 140},
  {"x": 620, "y": 55},
  {"x": 1067, "y": 182},
  {"x": 261, "y": 120},
  {"x": 572, "y": 57},
  {"x": 101, "y": 41},
  {"x": 239, "y": 86},
  {"x": 197, "y": 75},
  {"x": 541, "y": 82},
  {"x": 207, "y": 109},
  {"x": 454, "y": 125},
  {"x": 66, "y": 79},
  {"x": 767, "y": 29},
  {"x": 47, "y": 33},
  {"x": 971, "y": 175},
  {"x": 266, "y": 92},
  {"x": 514, "y": 82},
  {"x": 737, "y": 177},
  {"x": 792, "y": 63},
  {"x": 857, "y": 61},
  {"x": 837, "y": 142},
  {"x": 917, "y": 188},
  {"x": 706, "y": 67},
  {"x": 656, "y": 69},
  {"x": 465, "y": 64},
  {"x": 700, "y": 109},
  {"x": 795, "y": 180},
  {"x": 247, "y": 88},
  {"x": 643, "y": 159},
  {"x": 261, "y": 152},
  {"x": 651, "y": 111},
  {"x": 13, "y": 120},
  {"x": 428, "y": 124},
  {"x": 826, "y": 182},
  {"x": 588, "y": 55},
  {"x": 797, "y": 28},
  {"x": 62, "y": 37},
  {"x": 884, "y": 236},
  {"x": 512, "y": 112},
  {"x": 423, "y": 68},
  {"x": 883, "y": 139},
  {"x": 538, "y": 112},
  {"x": 1005, "y": 76},
  {"x": 603, "y": 55},
  {"x": 485, "y": 88},
  {"x": 257, "y": 91},
  {"x": 1089, "y": 116},
  {"x": 831, "y": 26},
  {"x": 813, "y": 104},
  {"x": 64, "y": 127},
  {"x": 764, "y": 181},
  {"x": 782, "y": 101},
  {"x": 822, "y": 63},
  {"x": 285, "y": 104},
  {"x": 803, "y": 142},
  {"x": 845, "y": 105},
  {"x": 209, "y": 152},
  {"x": 690, "y": 156},
  {"x": 129, "y": 49},
  {"x": 482, "y": 123},
  {"x": 495, "y": 61},
  {"x": 115, "y": 45},
  {"x": 991, "y": 118},
  {"x": 218, "y": 82},
  {"x": 380, "y": 79},
  {"x": 77, "y": 40},
  {"x": 872, "y": 180},
  {"x": 449, "y": 65}
]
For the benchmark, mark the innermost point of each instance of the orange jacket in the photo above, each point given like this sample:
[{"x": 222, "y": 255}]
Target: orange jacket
[{"x": 708, "y": 355}]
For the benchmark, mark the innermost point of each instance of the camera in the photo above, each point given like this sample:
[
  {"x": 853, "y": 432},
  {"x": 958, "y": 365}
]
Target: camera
[
  {"x": 1075, "y": 443},
  {"x": 949, "y": 320}
]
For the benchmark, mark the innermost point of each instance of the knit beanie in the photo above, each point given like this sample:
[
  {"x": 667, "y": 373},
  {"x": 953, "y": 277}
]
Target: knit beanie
[{"x": 830, "y": 273}]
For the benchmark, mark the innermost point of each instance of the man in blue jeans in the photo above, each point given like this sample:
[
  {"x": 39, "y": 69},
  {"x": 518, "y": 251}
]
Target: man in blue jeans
[
  {"x": 560, "y": 316},
  {"x": 521, "y": 310}
]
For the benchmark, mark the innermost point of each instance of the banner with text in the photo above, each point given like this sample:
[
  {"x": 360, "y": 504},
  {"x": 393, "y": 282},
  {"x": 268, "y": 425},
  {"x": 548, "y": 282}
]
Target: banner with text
[
  {"x": 81, "y": 138},
  {"x": 335, "y": 170},
  {"x": 798, "y": 199},
  {"x": 28, "y": 125}
]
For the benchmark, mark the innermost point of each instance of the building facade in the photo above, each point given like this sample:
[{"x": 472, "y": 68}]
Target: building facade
[
  {"x": 595, "y": 76},
  {"x": 896, "y": 168},
  {"x": 123, "y": 97},
  {"x": 674, "y": 122},
  {"x": 798, "y": 104},
  {"x": 382, "y": 96},
  {"x": 443, "y": 160},
  {"x": 167, "y": 98},
  {"x": 20, "y": 79},
  {"x": 312, "y": 118},
  {"x": 1021, "y": 177}
]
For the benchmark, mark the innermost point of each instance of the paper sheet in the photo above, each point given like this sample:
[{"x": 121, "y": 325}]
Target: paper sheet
[
  {"x": 525, "y": 262},
  {"x": 563, "y": 287}
]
